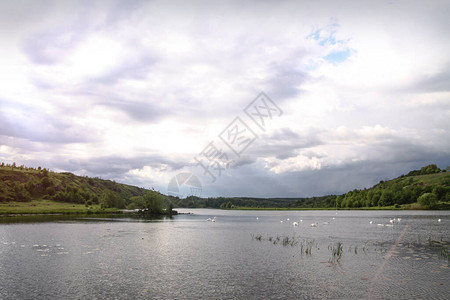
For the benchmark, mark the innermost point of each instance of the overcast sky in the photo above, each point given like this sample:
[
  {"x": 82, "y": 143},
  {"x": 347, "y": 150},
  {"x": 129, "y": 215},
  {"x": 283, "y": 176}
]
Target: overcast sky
[{"x": 139, "y": 91}]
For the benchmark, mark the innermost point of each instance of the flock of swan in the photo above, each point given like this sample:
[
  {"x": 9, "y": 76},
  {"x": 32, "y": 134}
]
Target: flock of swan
[
  {"x": 390, "y": 224},
  {"x": 315, "y": 224},
  {"x": 296, "y": 224}
]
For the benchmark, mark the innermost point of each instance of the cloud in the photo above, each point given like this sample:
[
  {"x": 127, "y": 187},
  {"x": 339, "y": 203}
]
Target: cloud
[
  {"x": 34, "y": 124},
  {"x": 133, "y": 90},
  {"x": 52, "y": 47}
]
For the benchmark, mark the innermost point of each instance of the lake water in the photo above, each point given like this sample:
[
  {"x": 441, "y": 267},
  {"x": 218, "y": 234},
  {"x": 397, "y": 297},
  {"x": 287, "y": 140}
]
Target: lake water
[{"x": 242, "y": 255}]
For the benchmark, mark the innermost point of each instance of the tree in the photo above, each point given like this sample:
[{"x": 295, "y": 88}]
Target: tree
[
  {"x": 20, "y": 193},
  {"x": 136, "y": 202},
  {"x": 428, "y": 200},
  {"x": 440, "y": 192},
  {"x": 46, "y": 182},
  {"x": 50, "y": 191},
  {"x": 387, "y": 198},
  {"x": 109, "y": 199},
  {"x": 430, "y": 169},
  {"x": 154, "y": 202}
]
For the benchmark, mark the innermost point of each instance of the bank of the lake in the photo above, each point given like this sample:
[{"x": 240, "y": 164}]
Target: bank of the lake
[{"x": 52, "y": 207}]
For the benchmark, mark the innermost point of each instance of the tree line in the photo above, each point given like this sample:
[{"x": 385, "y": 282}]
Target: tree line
[{"x": 418, "y": 186}]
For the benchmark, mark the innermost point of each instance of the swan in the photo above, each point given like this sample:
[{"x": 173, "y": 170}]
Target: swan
[
  {"x": 314, "y": 224},
  {"x": 295, "y": 224},
  {"x": 439, "y": 220},
  {"x": 371, "y": 222}
]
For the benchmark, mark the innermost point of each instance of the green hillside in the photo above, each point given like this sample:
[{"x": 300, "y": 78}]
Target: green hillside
[
  {"x": 428, "y": 187},
  {"x": 38, "y": 190}
]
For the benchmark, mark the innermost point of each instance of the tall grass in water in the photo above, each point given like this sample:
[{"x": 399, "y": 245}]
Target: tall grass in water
[
  {"x": 336, "y": 252},
  {"x": 289, "y": 241},
  {"x": 306, "y": 246}
]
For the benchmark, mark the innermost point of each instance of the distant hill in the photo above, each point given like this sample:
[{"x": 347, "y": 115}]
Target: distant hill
[{"x": 22, "y": 184}]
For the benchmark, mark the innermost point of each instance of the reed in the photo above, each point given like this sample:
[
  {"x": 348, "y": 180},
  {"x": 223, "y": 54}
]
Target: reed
[{"x": 336, "y": 252}]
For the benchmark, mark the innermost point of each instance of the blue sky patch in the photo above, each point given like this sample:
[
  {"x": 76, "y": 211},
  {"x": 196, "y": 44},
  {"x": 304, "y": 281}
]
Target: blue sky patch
[{"x": 338, "y": 56}]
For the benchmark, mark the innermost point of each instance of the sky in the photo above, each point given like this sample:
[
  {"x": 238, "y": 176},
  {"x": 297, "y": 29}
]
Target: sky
[{"x": 250, "y": 98}]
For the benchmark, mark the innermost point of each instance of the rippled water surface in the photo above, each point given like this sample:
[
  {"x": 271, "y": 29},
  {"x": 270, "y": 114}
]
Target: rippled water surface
[{"x": 242, "y": 255}]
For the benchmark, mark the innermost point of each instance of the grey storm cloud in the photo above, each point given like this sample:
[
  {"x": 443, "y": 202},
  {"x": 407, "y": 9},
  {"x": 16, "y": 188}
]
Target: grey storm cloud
[
  {"x": 284, "y": 143},
  {"x": 332, "y": 180}
]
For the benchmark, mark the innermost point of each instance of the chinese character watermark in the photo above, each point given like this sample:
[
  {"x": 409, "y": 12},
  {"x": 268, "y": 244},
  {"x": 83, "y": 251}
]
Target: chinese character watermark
[
  {"x": 262, "y": 108},
  {"x": 184, "y": 185},
  {"x": 237, "y": 136}
]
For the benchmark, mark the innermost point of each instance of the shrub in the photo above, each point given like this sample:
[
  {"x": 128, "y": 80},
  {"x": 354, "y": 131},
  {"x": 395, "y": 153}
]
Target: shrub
[{"x": 428, "y": 200}]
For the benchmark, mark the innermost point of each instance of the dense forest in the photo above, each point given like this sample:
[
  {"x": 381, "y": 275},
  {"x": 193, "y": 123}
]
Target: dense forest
[{"x": 428, "y": 187}]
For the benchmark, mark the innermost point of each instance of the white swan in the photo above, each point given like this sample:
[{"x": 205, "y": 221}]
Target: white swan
[
  {"x": 371, "y": 222},
  {"x": 314, "y": 224},
  {"x": 295, "y": 224}
]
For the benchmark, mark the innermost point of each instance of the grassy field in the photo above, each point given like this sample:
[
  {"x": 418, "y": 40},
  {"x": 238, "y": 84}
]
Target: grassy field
[{"x": 50, "y": 207}]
